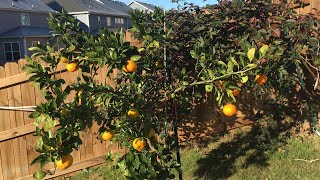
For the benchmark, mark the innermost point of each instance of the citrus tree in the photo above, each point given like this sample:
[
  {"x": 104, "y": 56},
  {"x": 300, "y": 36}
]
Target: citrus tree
[
  {"x": 219, "y": 40},
  {"x": 224, "y": 49}
]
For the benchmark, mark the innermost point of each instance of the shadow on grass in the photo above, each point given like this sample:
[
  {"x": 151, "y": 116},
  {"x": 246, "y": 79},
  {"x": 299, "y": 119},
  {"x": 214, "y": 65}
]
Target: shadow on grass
[
  {"x": 220, "y": 163},
  {"x": 248, "y": 148}
]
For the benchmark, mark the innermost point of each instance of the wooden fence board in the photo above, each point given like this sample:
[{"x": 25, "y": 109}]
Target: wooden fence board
[
  {"x": 28, "y": 96},
  {"x": 11, "y": 146},
  {"x": 22, "y": 77},
  {"x": 3, "y": 113},
  {"x": 16, "y": 120},
  {"x": 17, "y": 132}
]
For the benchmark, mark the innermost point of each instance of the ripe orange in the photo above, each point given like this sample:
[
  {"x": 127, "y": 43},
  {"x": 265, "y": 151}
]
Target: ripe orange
[
  {"x": 65, "y": 162},
  {"x": 138, "y": 144},
  {"x": 151, "y": 133},
  {"x": 261, "y": 79},
  {"x": 133, "y": 113},
  {"x": 64, "y": 112},
  {"x": 107, "y": 135},
  {"x": 71, "y": 67},
  {"x": 63, "y": 59},
  {"x": 235, "y": 92},
  {"x": 229, "y": 109},
  {"x": 130, "y": 66}
]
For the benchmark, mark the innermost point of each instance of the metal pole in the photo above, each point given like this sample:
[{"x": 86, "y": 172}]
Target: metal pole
[{"x": 173, "y": 107}]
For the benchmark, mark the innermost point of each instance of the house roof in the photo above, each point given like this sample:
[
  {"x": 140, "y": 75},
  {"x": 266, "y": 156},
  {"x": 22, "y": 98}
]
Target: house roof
[
  {"x": 145, "y": 5},
  {"x": 25, "y": 5},
  {"x": 91, "y": 6},
  {"x": 26, "y": 31}
]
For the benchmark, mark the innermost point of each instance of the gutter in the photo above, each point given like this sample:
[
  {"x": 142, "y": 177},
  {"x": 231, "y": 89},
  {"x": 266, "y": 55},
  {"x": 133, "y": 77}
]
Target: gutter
[
  {"x": 22, "y": 10},
  {"x": 7, "y": 37}
]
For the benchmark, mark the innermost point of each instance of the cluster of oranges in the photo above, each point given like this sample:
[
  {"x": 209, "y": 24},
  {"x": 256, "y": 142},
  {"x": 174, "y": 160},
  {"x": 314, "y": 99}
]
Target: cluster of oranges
[
  {"x": 71, "y": 66},
  {"x": 129, "y": 67},
  {"x": 230, "y": 109},
  {"x": 139, "y": 143}
]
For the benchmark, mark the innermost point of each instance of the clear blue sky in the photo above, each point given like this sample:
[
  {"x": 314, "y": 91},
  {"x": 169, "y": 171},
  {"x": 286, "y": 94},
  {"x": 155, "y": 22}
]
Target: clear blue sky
[{"x": 167, "y": 4}]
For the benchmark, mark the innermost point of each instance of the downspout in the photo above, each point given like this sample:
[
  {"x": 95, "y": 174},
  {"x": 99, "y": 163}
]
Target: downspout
[
  {"x": 89, "y": 23},
  {"x": 24, "y": 46}
]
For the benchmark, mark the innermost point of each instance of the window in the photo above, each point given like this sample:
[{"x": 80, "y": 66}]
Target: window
[
  {"x": 12, "y": 51},
  {"x": 25, "y": 19},
  {"x": 34, "y": 43},
  {"x": 108, "y": 19},
  {"x": 119, "y": 22},
  {"x": 99, "y": 21}
]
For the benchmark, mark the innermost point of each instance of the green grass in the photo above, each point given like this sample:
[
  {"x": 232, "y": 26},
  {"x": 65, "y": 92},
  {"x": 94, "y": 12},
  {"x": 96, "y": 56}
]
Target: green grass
[{"x": 236, "y": 156}]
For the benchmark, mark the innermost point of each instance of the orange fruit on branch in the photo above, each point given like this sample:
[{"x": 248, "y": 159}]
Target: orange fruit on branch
[
  {"x": 65, "y": 162},
  {"x": 229, "y": 109},
  {"x": 139, "y": 144},
  {"x": 107, "y": 135},
  {"x": 261, "y": 79},
  {"x": 130, "y": 66},
  {"x": 133, "y": 113},
  {"x": 63, "y": 59},
  {"x": 71, "y": 67}
]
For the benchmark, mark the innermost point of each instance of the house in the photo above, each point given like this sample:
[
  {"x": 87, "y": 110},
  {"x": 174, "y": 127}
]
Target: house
[
  {"x": 95, "y": 14},
  {"x": 141, "y": 6},
  {"x": 23, "y": 24}
]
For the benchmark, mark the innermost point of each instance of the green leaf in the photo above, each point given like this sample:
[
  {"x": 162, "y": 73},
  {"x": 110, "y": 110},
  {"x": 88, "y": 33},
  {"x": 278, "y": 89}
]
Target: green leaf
[
  {"x": 136, "y": 162},
  {"x": 34, "y": 115},
  {"x": 244, "y": 79},
  {"x": 39, "y": 144},
  {"x": 193, "y": 54},
  {"x": 36, "y": 49},
  {"x": 40, "y": 174},
  {"x": 251, "y": 65},
  {"x": 143, "y": 158},
  {"x": 209, "y": 88},
  {"x": 230, "y": 67},
  {"x": 263, "y": 50},
  {"x": 240, "y": 53},
  {"x": 234, "y": 61},
  {"x": 211, "y": 74},
  {"x": 135, "y": 57},
  {"x": 222, "y": 63},
  {"x": 71, "y": 48},
  {"x": 251, "y": 53}
]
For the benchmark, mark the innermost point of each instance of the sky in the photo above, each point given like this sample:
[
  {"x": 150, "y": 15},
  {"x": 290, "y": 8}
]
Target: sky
[{"x": 167, "y": 4}]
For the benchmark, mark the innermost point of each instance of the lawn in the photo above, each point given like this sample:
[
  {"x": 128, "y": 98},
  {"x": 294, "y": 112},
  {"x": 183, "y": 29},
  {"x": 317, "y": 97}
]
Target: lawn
[{"x": 237, "y": 156}]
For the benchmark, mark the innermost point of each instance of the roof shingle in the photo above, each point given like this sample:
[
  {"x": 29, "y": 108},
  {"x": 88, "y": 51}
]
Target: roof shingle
[
  {"x": 25, "y": 5},
  {"x": 93, "y": 6},
  {"x": 149, "y": 6}
]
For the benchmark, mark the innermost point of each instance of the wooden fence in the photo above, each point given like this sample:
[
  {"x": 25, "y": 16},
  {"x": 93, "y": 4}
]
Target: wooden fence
[
  {"x": 16, "y": 128},
  {"x": 313, "y": 7}
]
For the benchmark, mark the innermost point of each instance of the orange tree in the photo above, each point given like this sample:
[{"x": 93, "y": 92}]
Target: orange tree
[
  {"x": 224, "y": 49},
  {"x": 210, "y": 46}
]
